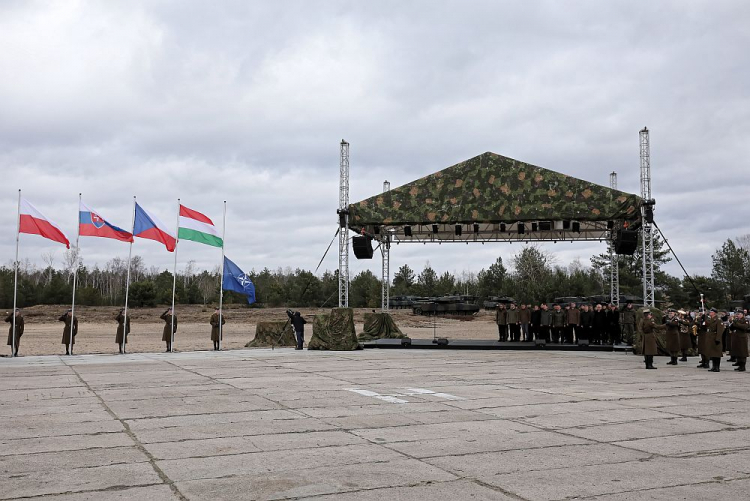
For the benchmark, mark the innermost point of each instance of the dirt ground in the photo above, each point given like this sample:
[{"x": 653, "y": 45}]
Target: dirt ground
[{"x": 97, "y": 327}]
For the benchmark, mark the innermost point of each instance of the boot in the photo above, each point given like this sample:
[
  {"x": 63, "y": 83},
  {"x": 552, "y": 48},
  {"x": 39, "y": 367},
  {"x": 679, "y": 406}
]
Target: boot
[
  {"x": 741, "y": 367},
  {"x": 672, "y": 361},
  {"x": 683, "y": 359},
  {"x": 735, "y": 364},
  {"x": 716, "y": 364},
  {"x": 731, "y": 359},
  {"x": 650, "y": 362}
]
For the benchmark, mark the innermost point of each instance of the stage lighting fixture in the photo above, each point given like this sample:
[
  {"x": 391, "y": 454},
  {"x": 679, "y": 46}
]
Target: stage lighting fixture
[
  {"x": 566, "y": 225},
  {"x": 458, "y": 230},
  {"x": 521, "y": 228},
  {"x": 407, "y": 231},
  {"x": 576, "y": 226}
]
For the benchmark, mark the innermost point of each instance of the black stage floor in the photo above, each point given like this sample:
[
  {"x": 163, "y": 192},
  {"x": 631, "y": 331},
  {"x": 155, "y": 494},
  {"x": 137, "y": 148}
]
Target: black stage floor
[{"x": 482, "y": 344}]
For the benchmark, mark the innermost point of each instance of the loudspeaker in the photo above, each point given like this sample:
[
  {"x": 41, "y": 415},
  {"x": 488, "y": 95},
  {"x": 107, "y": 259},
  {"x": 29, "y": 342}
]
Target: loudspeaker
[
  {"x": 626, "y": 242},
  {"x": 458, "y": 230},
  {"x": 576, "y": 226},
  {"x": 362, "y": 246},
  {"x": 521, "y": 228},
  {"x": 407, "y": 231},
  {"x": 545, "y": 225}
]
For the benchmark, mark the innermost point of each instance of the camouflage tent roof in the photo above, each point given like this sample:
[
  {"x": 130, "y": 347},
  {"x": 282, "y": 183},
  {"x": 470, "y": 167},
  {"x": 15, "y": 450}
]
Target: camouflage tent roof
[{"x": 491, "y": 188}]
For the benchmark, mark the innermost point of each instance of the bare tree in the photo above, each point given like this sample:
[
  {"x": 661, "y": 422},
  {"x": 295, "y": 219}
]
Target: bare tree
[{"x": 49, "y": 260}]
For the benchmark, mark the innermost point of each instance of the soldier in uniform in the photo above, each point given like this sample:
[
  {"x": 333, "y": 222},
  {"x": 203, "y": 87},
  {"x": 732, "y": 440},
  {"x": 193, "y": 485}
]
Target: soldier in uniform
[
  {"x": 558, "y": 323},
  {"x": 613, "y": 324},
  {"x": 649, "y": 338},
  {"x": 627, "y": 320},
  {"x": 69, "y": 320},
  {"x": 123, "y": 329},
  {"x": 524, "y": 319},
  {"x": 15, "y": 340},
  {"x": 740, "y": 327},
  {"x": 501, "y": 319},
  {"x": 702, "y": 333},
  {"x": 169, "y": 330},
  {"x": 545, "y": 322},
  {"x": 685, "y": 341},
  {"x": 600, "y": 324},
  {"x": 536, "y": 321},
  {"x": 673, "y": 336},
  {"x": 572, "y": 321},
  {"x": 714, "y": 332},
  {"x": 215, "y": 334},
  {"x": 513, "y": 324}
]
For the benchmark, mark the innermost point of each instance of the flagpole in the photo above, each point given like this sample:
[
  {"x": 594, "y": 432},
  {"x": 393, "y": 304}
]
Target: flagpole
[
  {"x": 75, "y": 277},
  {"x": 15, "y": 279},
  {"x": 127, "y": 284},
  {"x": 174, "y": 274},
  {"x": 221, "y": 274}
]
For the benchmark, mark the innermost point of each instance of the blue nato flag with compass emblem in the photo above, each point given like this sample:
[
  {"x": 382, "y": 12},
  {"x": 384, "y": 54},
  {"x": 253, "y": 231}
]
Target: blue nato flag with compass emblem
[{"x": 236, "y": 280}]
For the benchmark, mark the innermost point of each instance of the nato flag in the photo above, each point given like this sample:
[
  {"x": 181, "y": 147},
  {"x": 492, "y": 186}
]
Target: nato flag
[{"x": 236, "y": 280}]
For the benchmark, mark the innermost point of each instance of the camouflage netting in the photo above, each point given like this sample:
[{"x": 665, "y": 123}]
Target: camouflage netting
[
  {"x": 492, "y": 188},
  {"x": 273, "y": 334},
  {"x": 334, "y": 331},
  {"x": 380, "y": 326}
]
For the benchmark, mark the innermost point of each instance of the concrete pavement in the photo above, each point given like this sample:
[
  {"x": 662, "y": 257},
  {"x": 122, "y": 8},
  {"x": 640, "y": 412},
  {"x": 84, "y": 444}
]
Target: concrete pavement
[{"x": 371, "y": 425}]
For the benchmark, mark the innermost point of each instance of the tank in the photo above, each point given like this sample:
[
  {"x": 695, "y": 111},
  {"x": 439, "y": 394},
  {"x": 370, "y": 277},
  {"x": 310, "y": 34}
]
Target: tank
[
  {"x": 446, "y": 306},
  {"x": 401, "y": 302},
  {"x": 492, "y": 302}
]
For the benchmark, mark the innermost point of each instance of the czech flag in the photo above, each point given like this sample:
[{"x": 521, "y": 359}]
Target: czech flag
[
  {"x": 91, "y": 224},
  {"x": 149, "y": 226},
  {"x": 33, "y": 222}
]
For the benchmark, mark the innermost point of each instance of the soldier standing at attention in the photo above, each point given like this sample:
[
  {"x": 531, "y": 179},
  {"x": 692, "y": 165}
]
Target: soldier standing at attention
[
  {"x": 545, "y": 322},
  {"x": 627, "y": 320},
  {"x": 13, "y": 343},
  {"x": 613, "y": 320},
  {"x": 572, "y": 323},
  {"x": 69, "y": 320},
  {"x": 714, "y": 332},
  {"x": 524, "y": 319},
  {"x": 649, "y": 338},
  {"x": 501, "y": 319},
  {"x": 673, "y": 336},
  {"x": 123, "y": 329},
  {"x": 536, "y": 321},
  {"x": 513, "y": 325},
  {"x": 702, "y": 333},
  {"x": 215, "y": 334},
  {"x": 740, "y": 327},
  {"x": 168, "y": 316},
  {"x": 558, "y": 323},
  {"x": 685, "y": 341},
  {"x": 600, "y": 324}
]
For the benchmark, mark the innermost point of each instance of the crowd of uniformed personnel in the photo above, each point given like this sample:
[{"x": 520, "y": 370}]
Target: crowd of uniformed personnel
[
  {"x": 70, "y": 329},
  {"x": 598, "y": 324}
]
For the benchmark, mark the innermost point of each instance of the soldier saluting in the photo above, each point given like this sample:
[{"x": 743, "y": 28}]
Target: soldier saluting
[
  {"x": 673, "y": 336},
  {"x": 15, "y": 339},
  {"x": 714, "y": 332},
  {"x": 649, "y": 338},
  {"x": 71, "y": 324},
  {"x": 170, "y": 327}
]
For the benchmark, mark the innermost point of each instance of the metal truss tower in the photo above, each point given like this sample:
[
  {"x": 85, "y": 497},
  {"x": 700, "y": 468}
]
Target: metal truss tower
[
  {"x": 343, "y": 213},
  {"x": 614, "y": 269},
  {"x": 385, "y": 251},
  {"x": 647, "y": 230}
]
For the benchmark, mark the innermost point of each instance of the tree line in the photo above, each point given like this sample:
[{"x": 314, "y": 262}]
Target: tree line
[{"x": 533, "y": 276}]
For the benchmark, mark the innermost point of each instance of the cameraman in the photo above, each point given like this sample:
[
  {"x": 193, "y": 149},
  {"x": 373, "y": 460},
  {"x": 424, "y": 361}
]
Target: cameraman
[{"x": 299, "y": 327}]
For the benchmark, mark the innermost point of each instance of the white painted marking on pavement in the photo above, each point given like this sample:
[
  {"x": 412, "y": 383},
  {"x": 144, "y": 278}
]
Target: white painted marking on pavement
[
  {"x": 385, "y": 398},
  {"x": 424, "y": 391}
]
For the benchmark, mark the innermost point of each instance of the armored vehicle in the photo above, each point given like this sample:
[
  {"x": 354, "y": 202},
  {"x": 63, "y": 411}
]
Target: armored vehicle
[
  {"x": 492, "y": 302},
  {"x": 446, "y": 305}
]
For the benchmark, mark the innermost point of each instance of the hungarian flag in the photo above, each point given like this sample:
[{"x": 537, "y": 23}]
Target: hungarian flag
[
  {"x": 33, "y": 222},
  {"x": 91, "y": 224},
  {"x": 149, "y": 226},
  {"x": 198, "y": 228}
]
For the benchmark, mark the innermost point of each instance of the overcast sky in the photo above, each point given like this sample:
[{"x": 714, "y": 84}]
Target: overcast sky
[{"x": 247, "y": 102}]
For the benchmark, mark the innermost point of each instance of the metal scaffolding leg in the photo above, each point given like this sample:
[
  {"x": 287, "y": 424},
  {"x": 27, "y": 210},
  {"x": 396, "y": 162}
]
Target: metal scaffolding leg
[
  {"x": 385, "y": 292},
  {"x": 343, "y": 213},
  {"x": 647, "y": 232},
  {"x": 614, "y": 269}
]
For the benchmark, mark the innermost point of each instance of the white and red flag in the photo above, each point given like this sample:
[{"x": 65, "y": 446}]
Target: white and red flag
[{"x": 33, "y": 222}]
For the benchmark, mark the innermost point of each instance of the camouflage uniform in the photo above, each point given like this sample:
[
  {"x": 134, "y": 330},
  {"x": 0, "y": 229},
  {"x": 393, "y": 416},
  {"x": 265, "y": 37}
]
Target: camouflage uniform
[{"x": 627, "y": 320}]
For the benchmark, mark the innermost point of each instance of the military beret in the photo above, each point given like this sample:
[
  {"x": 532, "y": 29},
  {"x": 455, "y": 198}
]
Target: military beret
[{"x": 645, "y": 312}]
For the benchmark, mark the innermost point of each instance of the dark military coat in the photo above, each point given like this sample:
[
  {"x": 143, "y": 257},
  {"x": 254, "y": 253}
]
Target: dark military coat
[
  {"x": 739, "y": 343},
  {"x": 19, "y": 329},
  {"x": 627, "y": 316},
  {"x": 702, "y": 334},
  {"x": 573, "y": 316},
  {"x": 673, "y": 335},
  {"x": 587, "y": 319},
  {"x": 512, "y": 316},
  {"x": 166, "y": 334},
  {"x": 558, "y": 318},
  {"x": 120, "y": 318},
  {"x": 66, "y": 330},
  {"x": 649, "y": 328},
  {"x": 215, "y": 326},
  {"x": 545, "y": 318},
  {"x": 714, "y": 332},
  {"x": 501, "y": 316},
  {"x": 524, "y": 316}
]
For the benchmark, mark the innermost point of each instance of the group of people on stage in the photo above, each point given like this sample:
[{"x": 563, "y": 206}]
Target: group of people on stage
[
  {"x": 597, "y": 324},
  {"x": 70, "y": 330},
  {"x": 712, "y": 333}
]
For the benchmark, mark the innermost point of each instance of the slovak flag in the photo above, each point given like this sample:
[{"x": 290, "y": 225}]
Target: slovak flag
[
  {"x": 149, "y": 226},
  {"x": 91, "y": 224},
  {"x": 32, "y": 221}
]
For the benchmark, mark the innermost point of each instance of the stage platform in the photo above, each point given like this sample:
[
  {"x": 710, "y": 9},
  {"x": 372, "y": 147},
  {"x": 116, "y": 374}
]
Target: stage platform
[{"x": 484, "y": 344}]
